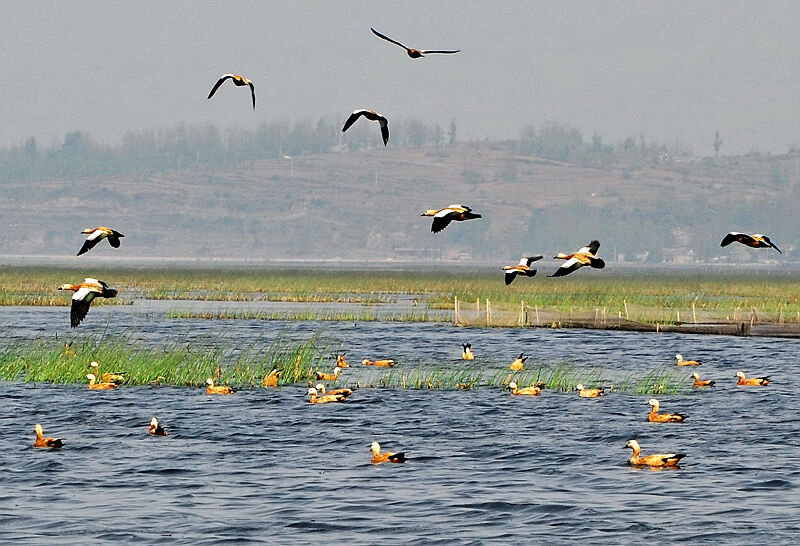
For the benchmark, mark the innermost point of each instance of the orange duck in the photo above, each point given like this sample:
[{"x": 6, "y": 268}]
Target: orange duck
[
  {"x": 94, "y": 386},
  {"x": 385, "y": 363},
  {"x": 656, "y": 460},
  {"x": 156, "y": 429},
  {"x": 700, "y": 382},
  {"x": 655, "y": 417},
  {"x": 41, "y": 441},
  {"x": 217, "y": 389},
  {"x": 389, "y": 457},
  {"x": 759, "y": 381}
]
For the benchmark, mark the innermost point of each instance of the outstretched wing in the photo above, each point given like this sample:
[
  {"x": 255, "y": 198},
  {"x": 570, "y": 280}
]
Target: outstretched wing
[
  {"x": 353, "y": 118},
  {"x": 770, "y": 243},
  {"x": 385, "y": 133},
  {"x": 81, "y": 301},
  {"x": 511, "y": 274},
  {"x": 379, "y": 35},
  {"x": 89, "y": 244},
  {"x": 441, "y": 220},
  {"x": 567, "y": 267},
  {"x": 733, "y": 237},
  {"x": 220, "y": 81},
  {"x": 528, "y": 260},
  {"x": 428, "y": 51},
  {"x": 253, "y": 93},
  {"x": 113, "y": 241}
]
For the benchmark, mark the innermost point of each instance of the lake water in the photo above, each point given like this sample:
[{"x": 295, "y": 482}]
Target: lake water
[{"x": 484, "y": 467}]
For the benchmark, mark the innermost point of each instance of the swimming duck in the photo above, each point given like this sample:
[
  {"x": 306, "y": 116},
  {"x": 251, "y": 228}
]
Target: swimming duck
[
  {"x": 156, "y": 429},
  {"x": 519, "y": 363},
  {"x": 534, "y": 390},
  {"x": 378, "y": 457},
  {"x": 522, "y": 268},
  {"x": 655, "y": 417},
  {"x": 756, "y": 240},
  {"x": 98, "y": 234},
  {"x": 41, "y": 441},
  {"x": 584, "y": 256},
  {"x": 329, "y": 376},
  {"x": 385, "y": 363},
  {"x": 93, "y": 385},
  {"x": 760, "y": 381},
  {"x": 271, "y": 379},
  {"x": 84, "y": 295},
  {"x": 341, "y": 362},
  {"x": 372, "y": 116},
  {"x": 324, "y": 399},
  {"x": 701, "y": 383},
  {"x": 467, "y": 354},
  {"x": 589, "y": 393},
  {"x": 414, "y": 53},
  {"x": 322, "y": 391},
  {"x": 682, "y": 362},
  {"x": 238, "y": 81},
  {"x": 217, "y": 389},
  {"x": 443, "y": 217},
  {"x": 106, "y": 377},
  {"x": 658, "y": 459}
]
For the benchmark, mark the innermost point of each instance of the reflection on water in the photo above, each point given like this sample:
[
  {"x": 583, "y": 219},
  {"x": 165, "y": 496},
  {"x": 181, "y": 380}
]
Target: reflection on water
[{"x": 264, "y": 465}]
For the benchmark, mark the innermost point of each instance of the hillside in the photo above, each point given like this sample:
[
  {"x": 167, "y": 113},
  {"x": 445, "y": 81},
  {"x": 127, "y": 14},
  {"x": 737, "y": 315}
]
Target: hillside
[{"x": 367, "y": 205}]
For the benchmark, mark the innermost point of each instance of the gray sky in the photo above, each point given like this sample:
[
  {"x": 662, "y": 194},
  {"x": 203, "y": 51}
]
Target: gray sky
[{"x": 671, "y": 71}]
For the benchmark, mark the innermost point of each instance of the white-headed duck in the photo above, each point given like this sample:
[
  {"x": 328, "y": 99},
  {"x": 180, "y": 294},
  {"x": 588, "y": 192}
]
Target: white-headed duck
[
  {"x": 519, "y": 362},
  {"x": 414, "y": 53},
  {"x": 323, "y": 391},
  {"x": 384, "y": 363},
  {"x": 657, "y": 459},
  {"x": 522, "y": 268},
  {"x": 325, "y": 398},
  {"x": 341, "y": 362},
  {"x": 106, "y": 377},
  {"x": 682, "y": 362},
  {"x": 238, "y": 81},
  {"x": 467, "y": 353},
  {"x": 454, "y": 212},
  {"x": 534, "y": 390},
  {"x": 372, "y": 116},
  {"x": 756, "y": 240},
  {"x": 589, "y": 393},
  {"x": 584, "y": 256},
  {"x": 41, "y": 441},
  {"x": 701, "y": 382},
  {"x": 655, "y": 417},
  {"x": 156, "y": 429},
  {"x": 760, "y": 381},
  {"x": 217, "y": 389},
  {"x": 98, "y": 234},
  {"x": 378, "y": 457},
  {"x": 329, "y": 376},
  {"x": 85, "y": 293},
  {"x": 93, "y": 385}
]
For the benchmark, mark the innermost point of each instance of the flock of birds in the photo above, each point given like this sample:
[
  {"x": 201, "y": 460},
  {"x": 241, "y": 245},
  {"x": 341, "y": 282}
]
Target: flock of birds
[{"x": 90, "y": 289}]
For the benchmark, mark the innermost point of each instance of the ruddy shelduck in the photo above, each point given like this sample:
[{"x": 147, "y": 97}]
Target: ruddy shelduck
[
  {"x": 586, "y": 255},
  {"x": 682, "y": 362},
  {"x": 156, "y": 429},
  {"x": 533, "y": 390},
  {"x": 271, "y": 379},
  {"x": 467, "y": 353},
  {"x": 341, "y": 362},
  {"x": 702, "y": 382},
  {"x": 98, "y": 234},
  {"x": 388, "y": 457},
  {"x": 325, "y": 398},
  {"x": 414, "y": 53},
  {"x": 106, "y": 377},
  {"x": 323, "y": 391},
  {"x": 384, "y": 363},
  {"x": 657, "y": 459},
  {"x": 372, "y": 116},
  {"x": 41, "y": 441},
  {"x": 655, "y": 417},
  {"x": 238, "y": 81},
  {"x": 759, "y": 381},
  {"x": 329, "y": 376},
  {"x": 519, "y": 363},
  {"x": 589, "y": 393},
  {"x": 522, "y": 268},
  {"x": 84, "y": 295},
  {"x": 211, "y": 388},
  {"x": 756, "y": 240},
  {"x": 443, "y": 217},
  {"x": 95, "y": 386}
]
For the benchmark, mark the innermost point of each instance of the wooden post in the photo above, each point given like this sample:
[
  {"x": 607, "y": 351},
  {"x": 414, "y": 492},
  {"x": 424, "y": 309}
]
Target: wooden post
[
  {"x": 488, "y": 313},
  {"x": 522, "y": 313},
  {"x": 625, "y": 303},
  {"x": 678, "y": 312},
  {"x": 780, "y": 315},
  {"x": 694, "y": 314},
  {"x": 536, "y": 308}
]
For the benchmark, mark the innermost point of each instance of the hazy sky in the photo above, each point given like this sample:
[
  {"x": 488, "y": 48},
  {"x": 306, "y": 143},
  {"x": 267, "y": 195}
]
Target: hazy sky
[{"x": 666, "y": 70}]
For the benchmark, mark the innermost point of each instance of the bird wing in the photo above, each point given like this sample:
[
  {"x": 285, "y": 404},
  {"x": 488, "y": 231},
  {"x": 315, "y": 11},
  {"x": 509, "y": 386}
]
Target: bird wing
[
  {"x": 81, "y": 301},
  {"x": 352, "y": 119},
  {"x": 385, "y": 133},
  {"x": 113, "y": 241},
  {"x": 441, "y": 221},
  {"x": 94, "y": 237},
  {"x": 220, "y": 81},
  {"x": 733, "y": 237},
  {"x": 567, "y": 267},
  {"x": 379, "y": 35},
  {"x": 511, "y": 274},
  {"x": 770, "y": 243},
  {"x": 591, "y": 248},
  {"x": 427, "y": 51},
  {"x": 528, "y": 260},
  {"x": 253, "y": 93}
]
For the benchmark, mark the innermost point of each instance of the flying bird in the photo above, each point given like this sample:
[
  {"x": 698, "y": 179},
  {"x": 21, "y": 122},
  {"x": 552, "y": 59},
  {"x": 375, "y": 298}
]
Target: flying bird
[
  {"x": 238, "y": 81},
  {"x": 98, "y": 234},
  {"x": 372, "y": 116},
  {"x": 84, "y": 295},
  {"x": 522, "y": 268},
  {"x": 443, "y": 217},
  {"x": 413, "y": 53},
  {"x": 756, "y": 240},
  {"x": 584, "y": 256}
]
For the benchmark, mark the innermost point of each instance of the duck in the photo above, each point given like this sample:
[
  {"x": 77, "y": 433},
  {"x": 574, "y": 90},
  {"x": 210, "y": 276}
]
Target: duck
[
  {"x": 388, "y": 457},
  {"x": 324, "y": 399},
  {"x": 106, "y": 377},
  {"x": 41, "y": 441},
  {"x": 760, "y": 381},
  {"x": 519, "y": 363},
  {"x": 68, "y": 350},
  {"x": 372, "y": 116},
  {"x": 98, "y": 234},
  {"x": 534, "y": 390},
  {"x": 385, "y": 363},
  {"x": 682, "y": 362},
  {"x": 271, "y": 379},
  {"x": 341, "y": 362},
  {"x": 84, "y": 295},
  {"x": 329, "y": 376},
  {"x": 443, "y": 217},
  {"x": 756, "y": 240},
  {"x": 589, "y": 393},
  {"x": 701, "y": 383},
  {"x": 467, "y": 354},
  {"x": 238, "y": 81},
  {"x": 655, "y": 417},
  {"x": 584, "y": 256},
  {"x": 217, "y": 389},
  {"x": 657, "y": 459},
  {"x": 414, "y": 53},
  {"x": 322, "y": 391},
  {"x": 156, "y": 429},
  {"x": 522, "y": 268},
  {"x": 94, "y": 386}
]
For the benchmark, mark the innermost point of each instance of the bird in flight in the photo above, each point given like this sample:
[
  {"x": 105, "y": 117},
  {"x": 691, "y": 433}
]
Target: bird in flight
[
  {"x": 443, "y": 217},
  {"x": 756, "y": 240},
  {"x": 238, "y": 81},
  {"x": 413, "y": 53},
  {"x": 584, "y": 256},
  {"x": 372, "y": 116},
  {"x": 98, "y": 234},
  {"x": 85, "y": 293},
  {"x": 522, "y": 268}
]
